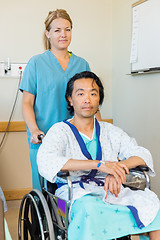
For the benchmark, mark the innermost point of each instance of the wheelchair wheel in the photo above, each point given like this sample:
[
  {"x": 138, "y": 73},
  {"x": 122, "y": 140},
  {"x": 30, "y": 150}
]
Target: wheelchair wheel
[
  {"x": 60, "y": 226},
  {"x": 35, "y": 221}
]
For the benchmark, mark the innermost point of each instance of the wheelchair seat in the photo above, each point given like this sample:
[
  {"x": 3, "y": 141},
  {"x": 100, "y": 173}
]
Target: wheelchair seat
[{"x": 42, "y": 215}]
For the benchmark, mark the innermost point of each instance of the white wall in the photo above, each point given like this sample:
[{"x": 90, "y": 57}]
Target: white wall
[
  {"x": 21, "y": 26},
  {"x": 136, "y": 99}
]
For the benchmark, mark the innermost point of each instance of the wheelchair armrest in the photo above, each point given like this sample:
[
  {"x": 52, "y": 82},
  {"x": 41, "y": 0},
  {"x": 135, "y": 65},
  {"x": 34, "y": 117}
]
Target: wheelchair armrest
[
  {"x": 63, "y": 174},
  {"x": 140, "y": 168},
  {"x": 137, "y": 178},
  {"x": 51, "y": 187}
]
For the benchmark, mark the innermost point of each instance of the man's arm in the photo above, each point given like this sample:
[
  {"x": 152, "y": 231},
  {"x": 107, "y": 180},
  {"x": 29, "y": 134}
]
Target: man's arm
[
  {"x": 118, "y": 170},
  {"x": 133, "y": 162}
]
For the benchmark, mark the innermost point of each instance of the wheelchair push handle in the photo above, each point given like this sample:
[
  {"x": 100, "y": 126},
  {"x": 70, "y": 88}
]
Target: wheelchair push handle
[{"x": 40, "y": 137}]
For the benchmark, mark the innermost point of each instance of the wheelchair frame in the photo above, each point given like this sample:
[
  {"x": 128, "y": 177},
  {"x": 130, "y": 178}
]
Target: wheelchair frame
[{"x": 40, "y": 216}]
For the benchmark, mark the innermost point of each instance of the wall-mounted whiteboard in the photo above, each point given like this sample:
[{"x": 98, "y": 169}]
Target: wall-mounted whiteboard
[{"x": 145, "y": 47}]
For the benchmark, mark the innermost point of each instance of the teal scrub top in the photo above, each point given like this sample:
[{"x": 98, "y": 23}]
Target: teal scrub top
[{"x": 46, "y": 80}]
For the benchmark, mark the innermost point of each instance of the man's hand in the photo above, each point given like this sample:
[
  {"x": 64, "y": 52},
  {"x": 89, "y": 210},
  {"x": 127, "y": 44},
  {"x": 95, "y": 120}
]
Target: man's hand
[
  {"x": 112, "y": 185},
  {"x": 117, "y": 169}
]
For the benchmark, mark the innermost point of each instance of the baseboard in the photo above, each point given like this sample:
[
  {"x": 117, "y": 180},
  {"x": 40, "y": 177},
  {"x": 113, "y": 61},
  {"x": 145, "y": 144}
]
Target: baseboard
[{"x": 16, "y": 194}]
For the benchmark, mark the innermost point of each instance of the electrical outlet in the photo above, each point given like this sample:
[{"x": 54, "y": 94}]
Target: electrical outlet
[{"x": 14, "y": 70}]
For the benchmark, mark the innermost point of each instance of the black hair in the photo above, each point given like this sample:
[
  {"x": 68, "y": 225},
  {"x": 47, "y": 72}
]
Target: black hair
[{"x": 85, "y": 74}]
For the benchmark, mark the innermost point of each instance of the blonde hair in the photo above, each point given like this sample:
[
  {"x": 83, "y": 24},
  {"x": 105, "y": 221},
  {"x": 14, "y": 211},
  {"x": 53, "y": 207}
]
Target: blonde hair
[{"x": 52, "y": 15}]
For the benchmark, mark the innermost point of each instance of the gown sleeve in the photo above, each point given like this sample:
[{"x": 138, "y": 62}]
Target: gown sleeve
[
  {"x": 125, "y": 146},
  {"x": 51, "y": 156}
]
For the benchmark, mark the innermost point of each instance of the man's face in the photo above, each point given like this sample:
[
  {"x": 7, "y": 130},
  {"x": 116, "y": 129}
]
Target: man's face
[{"x": 85, "y": 97}]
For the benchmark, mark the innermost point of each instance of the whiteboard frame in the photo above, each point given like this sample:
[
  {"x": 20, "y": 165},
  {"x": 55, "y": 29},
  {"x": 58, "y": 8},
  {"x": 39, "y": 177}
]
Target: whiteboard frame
[{"x": 145, "y": 48}]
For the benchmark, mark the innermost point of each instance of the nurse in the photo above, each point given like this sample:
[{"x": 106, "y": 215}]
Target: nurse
[{"x": 44, "y": 83}]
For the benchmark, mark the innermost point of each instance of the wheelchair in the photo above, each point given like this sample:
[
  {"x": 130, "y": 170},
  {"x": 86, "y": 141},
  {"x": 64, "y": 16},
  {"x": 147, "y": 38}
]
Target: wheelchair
[{"x": 43, "y": 216}]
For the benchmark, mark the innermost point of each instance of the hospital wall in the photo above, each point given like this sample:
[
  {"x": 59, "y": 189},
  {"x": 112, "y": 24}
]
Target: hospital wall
[
  {"x": 22, "y": 26},
  {"x": 135, "y": 99},
  {"x": 102, "y": 35}
]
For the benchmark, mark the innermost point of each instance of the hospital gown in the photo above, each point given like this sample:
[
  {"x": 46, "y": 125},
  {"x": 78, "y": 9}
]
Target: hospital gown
[{"x": 89, "y": 213}]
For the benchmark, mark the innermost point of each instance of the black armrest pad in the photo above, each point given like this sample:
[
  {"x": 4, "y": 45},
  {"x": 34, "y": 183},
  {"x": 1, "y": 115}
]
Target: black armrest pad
[
  {"x": 140, "y": 168},
  {"x": 63, "y": 174},
  {"x": 51, "y": 187}
]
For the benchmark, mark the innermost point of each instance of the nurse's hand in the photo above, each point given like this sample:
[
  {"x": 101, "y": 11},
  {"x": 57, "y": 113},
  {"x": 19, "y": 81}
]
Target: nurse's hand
[
  {"x": 34, "y": 137},
  {"x": 112, "y": 185}
]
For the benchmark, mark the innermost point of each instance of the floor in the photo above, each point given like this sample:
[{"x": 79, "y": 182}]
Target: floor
[{"x": 12, "y": 219}]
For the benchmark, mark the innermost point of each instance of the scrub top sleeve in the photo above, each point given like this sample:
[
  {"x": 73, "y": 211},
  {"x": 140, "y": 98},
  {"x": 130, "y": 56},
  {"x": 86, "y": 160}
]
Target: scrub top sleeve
[{"x": 29, "y": 80}]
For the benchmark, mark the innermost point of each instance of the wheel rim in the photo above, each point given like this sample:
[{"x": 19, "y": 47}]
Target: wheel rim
[
  {"x": 34, "y": 218},
  {"x": 29, "y": 214},
  {"x": 45, "y": 214}
]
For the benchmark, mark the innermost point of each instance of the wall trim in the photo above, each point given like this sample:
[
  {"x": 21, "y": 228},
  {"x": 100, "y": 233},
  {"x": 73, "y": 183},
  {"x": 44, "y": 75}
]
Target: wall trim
[
  {"x": 108, "y": 120},
  {"x": 20, "y": 126},
  {"x": 16, "y": 194},
  {"x": 138, "y": 3},
  {"x": 15, "y": 126}
]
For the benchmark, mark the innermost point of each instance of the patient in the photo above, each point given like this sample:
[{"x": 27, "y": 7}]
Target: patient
[{"x": 98, "y": 156}]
